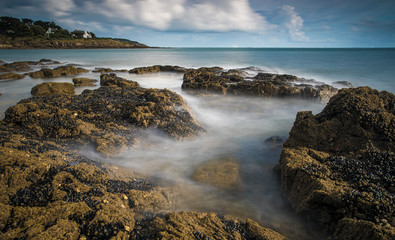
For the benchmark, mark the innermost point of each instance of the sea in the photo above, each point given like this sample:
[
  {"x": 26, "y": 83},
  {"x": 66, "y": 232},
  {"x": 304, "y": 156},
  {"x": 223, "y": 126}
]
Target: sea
[{"x": 237, "y": 127}]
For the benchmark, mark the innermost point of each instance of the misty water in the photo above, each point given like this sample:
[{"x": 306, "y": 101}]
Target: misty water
[{"x": 236, "y": 127}]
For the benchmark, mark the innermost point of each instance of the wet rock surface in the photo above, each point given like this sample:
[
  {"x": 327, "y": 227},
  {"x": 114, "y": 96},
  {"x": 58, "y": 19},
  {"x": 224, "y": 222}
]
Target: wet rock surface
[
  {"x": 57, "y": 72},
  {"x": 215, "y": 80},
  {"x": 52, "y": 88},
  {"x": 338, "y": 168},
  {"x": 157, "y": 69},
  {"x": 84, "y": 82},
  {"x": 11, "y": 76}
]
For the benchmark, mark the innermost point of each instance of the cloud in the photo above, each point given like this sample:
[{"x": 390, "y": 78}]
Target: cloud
[
  {"x": 183, "y": 15},
  {"x": 326, "y": 27},
  {"x": 293, "y": 23},
  {"x": 369, "y": 24},
  {"x": 59, "y": 8},
  {"x": 223, "y": 15}
]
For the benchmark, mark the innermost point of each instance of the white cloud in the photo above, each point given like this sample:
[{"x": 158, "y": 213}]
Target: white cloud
[
  {"x": 326, "y": 27},
  {"x": 223, "y": 15},
  {"x": 189, "y": 15},
  {"x": 59, "y": 8},
  {"x": 293, "y": 23}
]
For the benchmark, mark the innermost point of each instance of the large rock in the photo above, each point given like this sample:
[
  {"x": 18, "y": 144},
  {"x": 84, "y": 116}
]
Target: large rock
[
  {"x": 57, "y": 72},
  {"x": 53, "y": 88},
  {"x": 191, "y": 225},
  {"x": 11, "y": 76},
  {"x": 221, "y": 172},
  {"x": 338, "y": 168},
  {"x": 112, "y": 116},
  {"x": 232, "y": 82},
  {"x": 158, "y": 68}
]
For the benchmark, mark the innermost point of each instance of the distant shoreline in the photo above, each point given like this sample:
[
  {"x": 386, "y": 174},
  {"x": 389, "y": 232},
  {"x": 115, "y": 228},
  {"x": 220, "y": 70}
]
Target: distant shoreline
[{"x": 39, "y": 43}]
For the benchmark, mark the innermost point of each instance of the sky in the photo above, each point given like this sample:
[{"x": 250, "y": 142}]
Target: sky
[{"x": 222, "y": 23}]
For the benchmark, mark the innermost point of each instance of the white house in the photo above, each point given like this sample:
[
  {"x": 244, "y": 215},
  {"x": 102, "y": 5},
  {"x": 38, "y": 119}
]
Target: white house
[{"x": 87, "y": 35}]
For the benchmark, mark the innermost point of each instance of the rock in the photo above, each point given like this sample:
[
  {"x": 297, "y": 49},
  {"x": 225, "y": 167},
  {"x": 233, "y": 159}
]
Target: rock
[
  {"x": 158, "y": 68},
  {"x": 108, "y": 70},
  {"x": 337, "y": 167},
  {"x": 8, "y": 76},
  {"x": 25, "y": 65},
  {"x": 52, "y": 88},
  {"x": 264, "y": 84},
  {"x": 221, "y": 172},
  {"x": 112, "y": 80},
  {"x": 255, "y": 231},
  {"x": 275, "y": 141},
  {"x": 83, "y": 82},
  {"x": 343, "y": 84},
  {"x": 191, "y": 225},
  {"x": 57, "y": 72},
  {"x": 111, "y": 116}
]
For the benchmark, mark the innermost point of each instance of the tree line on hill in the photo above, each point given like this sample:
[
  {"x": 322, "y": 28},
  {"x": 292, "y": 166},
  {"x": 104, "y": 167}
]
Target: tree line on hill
[{"x": 14, "y": 27}]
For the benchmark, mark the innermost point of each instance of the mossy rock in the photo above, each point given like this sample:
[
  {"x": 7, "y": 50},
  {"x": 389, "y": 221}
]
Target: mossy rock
[
  {"x": 11, "y": 76},
  {"x": 84, "y": 82},
  {"x": 337, "y": 167},
  {"x": 53, "y": 88}
]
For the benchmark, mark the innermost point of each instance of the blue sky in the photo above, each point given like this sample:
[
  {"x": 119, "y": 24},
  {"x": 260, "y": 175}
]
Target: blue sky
[{"x": 222, "y": 23}]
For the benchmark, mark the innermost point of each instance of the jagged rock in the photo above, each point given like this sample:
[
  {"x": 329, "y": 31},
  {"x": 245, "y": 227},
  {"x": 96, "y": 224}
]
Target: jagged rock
[
  {"x": 57, "y": 72},
  {"x": 53, "y": 88},
  {"x": 337, "y": 167},
  {"x": 108, "y": 70},
  {"x": 158, "y": 68},
  {"x": 191, "y": 225},
  {"x": 111, "y": 116},
  {"x": 112, "y": 80},
  {"x": 7, "y": 76},
  {"x": 83, "y": 82},
  {"x": 214, "y": 80},
  {"x": 221, "y": 172}
]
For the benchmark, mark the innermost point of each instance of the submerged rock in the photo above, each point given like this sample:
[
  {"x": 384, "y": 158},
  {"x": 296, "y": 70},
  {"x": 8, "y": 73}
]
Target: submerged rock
[
  {"x": 57, "y": 72},
  {"x": 112, "y": 117},
  {"x": 158, "y": 68},
  {"x": 337, "y": 167},
  {"x": 53, "y": 88},
  {"x": 214, "y": 80},
  {"x": 84, "y": 82},
  {"x": 221, "y": 172},
  {"x": 9, "y": 76}
]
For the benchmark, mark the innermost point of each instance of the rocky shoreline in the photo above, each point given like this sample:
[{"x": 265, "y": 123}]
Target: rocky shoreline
[{"x": 336, "y": 167}]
